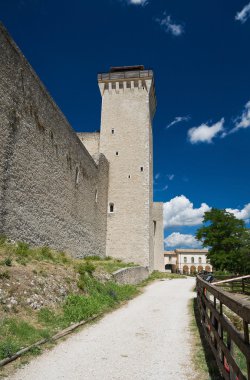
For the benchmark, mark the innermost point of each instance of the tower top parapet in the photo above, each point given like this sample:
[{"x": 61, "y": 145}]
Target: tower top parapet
[
  {"x": 126, "y": 72},
  {"x": 127, "y": 79}
]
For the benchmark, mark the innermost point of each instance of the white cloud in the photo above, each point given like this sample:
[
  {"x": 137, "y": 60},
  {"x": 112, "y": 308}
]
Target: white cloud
[
  {"x": 170, "y": 177},
  {"x": 241, "y": 214},
  {"x": 162, "y": 189},
  {"x": 205, "y": 133},
  {"x": 244, "y": 120},
  {"x": 169, "y": 26},
  {"x": 178, "y": 119},
  {"x": 179, "y": 211},
  {"x": 157, "y": 176},
  {"x": 244, "y": 14},
  {"x": 181, "y": 240},
  {"x": 137, "y": 2}
]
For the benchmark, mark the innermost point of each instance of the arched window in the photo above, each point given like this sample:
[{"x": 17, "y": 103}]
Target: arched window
[
  {"x": 96, "y": 196},
  {"x": 111, "y": 207},
  {"x": 192, "y": 260}
]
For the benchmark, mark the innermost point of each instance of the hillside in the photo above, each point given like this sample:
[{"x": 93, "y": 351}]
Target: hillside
[{"x": 43, "y": 291}]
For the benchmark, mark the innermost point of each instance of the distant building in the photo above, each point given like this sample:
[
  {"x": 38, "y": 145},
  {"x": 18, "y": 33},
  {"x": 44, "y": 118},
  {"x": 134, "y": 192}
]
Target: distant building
[{"x": 187, "y": 261}]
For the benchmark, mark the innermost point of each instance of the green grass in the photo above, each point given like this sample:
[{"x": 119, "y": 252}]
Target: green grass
[
  {"x": 202, "y": 356},
  {"x": 23, "y": 254},
  {"x": 112, "y": 265},
  {"x": 156, "y": 275},
  {"x": 97, "y": 298},
  {"x": 16, "y": 334}
]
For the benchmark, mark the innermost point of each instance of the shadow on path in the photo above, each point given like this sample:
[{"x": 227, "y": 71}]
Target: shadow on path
[{"x": 213, "y": 369}]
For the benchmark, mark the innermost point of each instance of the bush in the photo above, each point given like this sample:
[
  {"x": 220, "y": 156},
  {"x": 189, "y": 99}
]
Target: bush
[
  {"x": 2, "y": 240},
  {"x": 22, "y": 249},
  {"x": 93, "y": 257},
  {"x": 8, "y": 348},
  {"x": 45, "y": 253},
  {"x": 16, "y": 334},
  {"x": 7, "y": 262},
  {"x": 5, "y": 275},
  {"x": 87, "y": 267},
  {"x": 77, "y": 308}
]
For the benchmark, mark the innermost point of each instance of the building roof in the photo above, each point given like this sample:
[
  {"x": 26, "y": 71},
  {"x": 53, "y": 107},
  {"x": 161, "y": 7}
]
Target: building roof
[
  {"x": 115, "y": 69},
  {"x": 169, "y": 253},
  {"x": 191, "y": 250}
]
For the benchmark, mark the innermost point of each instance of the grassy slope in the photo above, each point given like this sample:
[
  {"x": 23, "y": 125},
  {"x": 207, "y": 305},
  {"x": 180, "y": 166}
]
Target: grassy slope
[
  {"x": 86, "y": 286},
  {"x": 66, "y": 291}
]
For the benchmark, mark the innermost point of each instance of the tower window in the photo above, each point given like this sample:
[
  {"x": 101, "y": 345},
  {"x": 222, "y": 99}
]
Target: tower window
[
  {"x": 120, "y": 85},
  {"x": 112, "y": 131},
  {"x": 141, "y": 168},
  {"x": 129, "y": 176},
  {"x": 77, "y": 176},
  {"x": 111, "y": 207},
  {"x": 117, "y": 153},
  {"x": 96, "y": 196}
]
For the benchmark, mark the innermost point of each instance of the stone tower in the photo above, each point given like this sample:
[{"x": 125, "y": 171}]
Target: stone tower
[{"x": 128, "y": 107}]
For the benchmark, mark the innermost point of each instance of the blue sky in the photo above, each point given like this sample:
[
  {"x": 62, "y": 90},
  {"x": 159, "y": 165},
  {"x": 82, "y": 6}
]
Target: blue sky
[{"x": 199, "y": 51}]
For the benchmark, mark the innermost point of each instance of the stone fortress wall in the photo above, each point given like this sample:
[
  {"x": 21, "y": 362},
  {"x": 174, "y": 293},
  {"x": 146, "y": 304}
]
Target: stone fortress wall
[
  {"x": 51, "y": 190},
  {"x": 56, "y": 187}
]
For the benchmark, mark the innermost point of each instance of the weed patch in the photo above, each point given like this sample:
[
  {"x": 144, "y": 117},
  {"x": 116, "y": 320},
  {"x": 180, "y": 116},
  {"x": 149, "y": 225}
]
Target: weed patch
[{"x": 16, "y": 334}]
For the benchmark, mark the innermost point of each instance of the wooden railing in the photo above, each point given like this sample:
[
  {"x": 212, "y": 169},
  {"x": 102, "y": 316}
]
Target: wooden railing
[
  {"x": 235, "y": 285},
  {"x": 137, "y": 74},
  {"x": 230, "y": 345}
]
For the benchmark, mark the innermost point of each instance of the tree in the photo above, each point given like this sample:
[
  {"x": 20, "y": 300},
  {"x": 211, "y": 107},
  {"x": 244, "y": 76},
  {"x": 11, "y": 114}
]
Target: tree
[{"x": 228, "y": 239}]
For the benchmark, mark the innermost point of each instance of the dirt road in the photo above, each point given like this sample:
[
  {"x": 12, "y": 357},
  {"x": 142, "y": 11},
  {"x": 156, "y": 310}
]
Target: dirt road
[{"x": 148, "y": 339}]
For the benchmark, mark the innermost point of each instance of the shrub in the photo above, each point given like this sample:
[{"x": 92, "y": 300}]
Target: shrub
[
  {"x": 45, "y": 253},
  {"x": 5, "y": 275},
  {"x": 93, "y": 257},
  {"x": 22, "y": 249},
  {"x": 7, "y": 261},
  {"x": 87, "y": 267},
  {"x": 2, "y": 240},
  {"x": 15, "y": 334},
  {"x": 77, "y": 308},
  {"x": 8, "y": 348}
]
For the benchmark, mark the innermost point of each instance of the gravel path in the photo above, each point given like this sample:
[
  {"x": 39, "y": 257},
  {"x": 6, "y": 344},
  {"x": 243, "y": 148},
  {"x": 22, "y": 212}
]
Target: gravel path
[{"x": 147, "y": 339}]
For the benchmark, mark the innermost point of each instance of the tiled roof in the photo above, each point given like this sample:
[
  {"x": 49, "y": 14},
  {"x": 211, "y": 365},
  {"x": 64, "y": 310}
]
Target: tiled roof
[{"x": 191, "y": 250}]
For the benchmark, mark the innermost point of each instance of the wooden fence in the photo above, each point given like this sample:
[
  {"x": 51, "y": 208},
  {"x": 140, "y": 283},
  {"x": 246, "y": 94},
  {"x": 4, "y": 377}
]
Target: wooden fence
[
  {"x": 230, "y": 344},
  {"x": 235, "y": 285}
]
